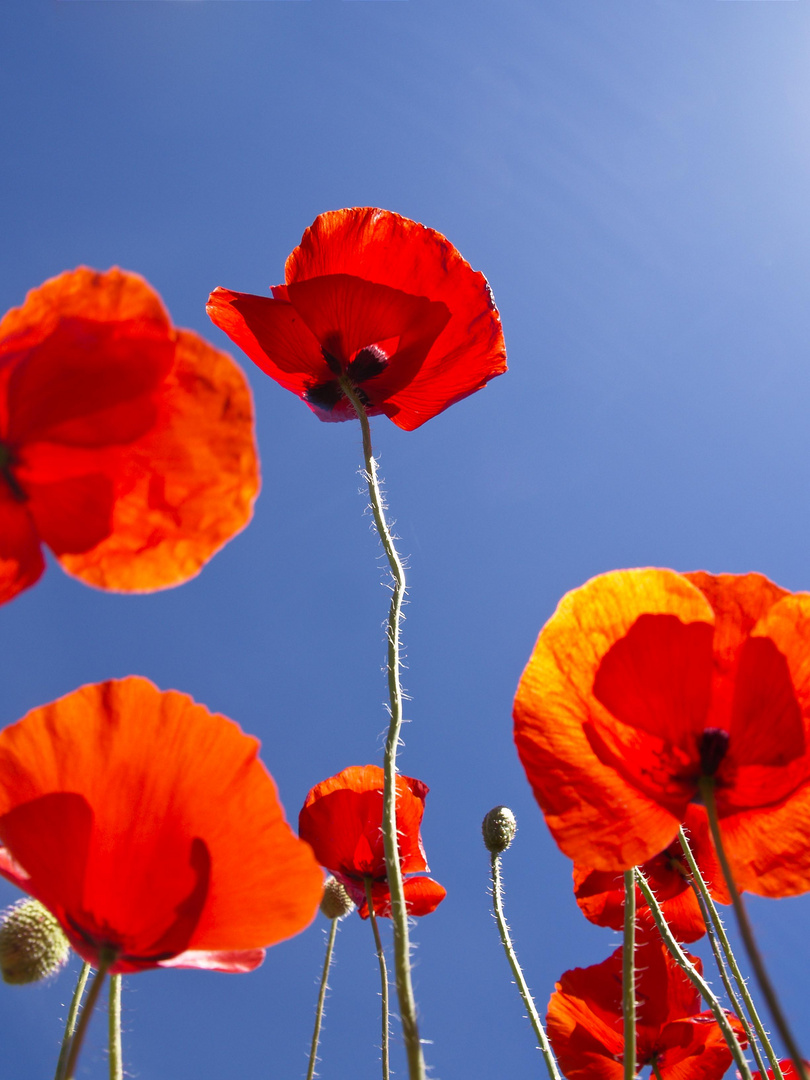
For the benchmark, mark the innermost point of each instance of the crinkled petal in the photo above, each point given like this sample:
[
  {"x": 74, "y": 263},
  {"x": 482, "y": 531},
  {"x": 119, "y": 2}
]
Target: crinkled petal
[
  {"x": 605, "y": 814},
  {"x": 230, "y": 962}
]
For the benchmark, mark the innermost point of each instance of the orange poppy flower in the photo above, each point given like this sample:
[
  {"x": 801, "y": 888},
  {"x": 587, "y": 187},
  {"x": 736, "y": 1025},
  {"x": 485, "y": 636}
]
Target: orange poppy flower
[
  {"x": 600, "y": 893},
  {"x": 645, "y": 681},
  {"x": 126, "y": 446},
  {"x": 342, "y": 820},
  {"x": 382, "y": 300},
  {"x": 148, "y": 826},
  {"x": 586, "y": 1027}
]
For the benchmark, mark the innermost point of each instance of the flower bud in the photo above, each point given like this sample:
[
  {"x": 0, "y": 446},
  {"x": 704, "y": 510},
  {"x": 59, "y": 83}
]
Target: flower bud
[
  {"x": 499, "y": 828},
  {"x": 32, "y": 945},
  {"x": 336, "y": 902}
]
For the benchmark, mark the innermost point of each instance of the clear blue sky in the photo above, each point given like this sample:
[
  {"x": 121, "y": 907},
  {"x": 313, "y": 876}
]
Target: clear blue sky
[{"x": 634, "y": 179}]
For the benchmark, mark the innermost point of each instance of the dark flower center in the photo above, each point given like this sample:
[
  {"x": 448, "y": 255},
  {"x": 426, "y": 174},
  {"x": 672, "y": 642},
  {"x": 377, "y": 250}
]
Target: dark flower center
[
  {"x": 713, "y": 748},
  {"x": 367, "y": 364},
  {"x": 8, "y": 460}
]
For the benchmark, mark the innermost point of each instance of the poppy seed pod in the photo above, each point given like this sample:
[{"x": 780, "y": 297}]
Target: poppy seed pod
[
  {"x": 32, "y": 945},
  {"x": 498, "y": 829},
  {"x": 336, "y": 902}
]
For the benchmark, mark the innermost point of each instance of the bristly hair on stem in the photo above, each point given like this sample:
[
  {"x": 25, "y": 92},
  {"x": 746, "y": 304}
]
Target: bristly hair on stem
[{"x": 399, "y": 914}]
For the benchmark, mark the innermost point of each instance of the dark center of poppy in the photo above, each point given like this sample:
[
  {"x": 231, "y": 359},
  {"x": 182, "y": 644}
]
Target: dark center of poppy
[
  {"x": 8, "y": 460},
  {"x": 367, "y": 364},
  {"x": 713, "y": 748}
]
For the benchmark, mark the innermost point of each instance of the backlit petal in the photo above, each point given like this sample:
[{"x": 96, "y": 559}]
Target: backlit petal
[{"x": 21, "y": 561}]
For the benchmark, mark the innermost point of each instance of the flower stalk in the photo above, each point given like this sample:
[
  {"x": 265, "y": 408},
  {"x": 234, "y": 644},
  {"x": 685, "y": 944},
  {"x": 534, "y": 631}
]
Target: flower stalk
[
  {"x": 399, "y": 914},
  {"x": 383, "y": 980},
  {"x": 629, "y": 976},
  {"x": 316, "y": 1034},
  {"x": 106, "y": 959},
  {"x": 70, "y": 1026},
  {"x": 116, "y": 1060},
  {"x": 747, "y": 932}
]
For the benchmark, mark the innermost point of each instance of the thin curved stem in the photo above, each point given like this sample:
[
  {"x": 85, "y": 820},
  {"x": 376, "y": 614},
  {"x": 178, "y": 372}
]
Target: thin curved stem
[
  {"x": 694, "y": 976},
  {"x": 116, "y": 1062},
  {"x": 629, "y": 975},
  {"x": 708, "y": 907},
  {"x": 746, "y": 931},
  {"x": 316, "y": 1034},
  {"x": 399, "y": 913},
  {"x": 84, "y": 1019},
  {"x": 70, "y": 1026},
  {"x": 383, "y": 978},
  {"x": 517, "y": 971}
]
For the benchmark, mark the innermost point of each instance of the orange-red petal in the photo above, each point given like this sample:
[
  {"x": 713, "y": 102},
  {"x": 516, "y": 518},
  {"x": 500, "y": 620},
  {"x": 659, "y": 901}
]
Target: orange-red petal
[
  {"x": 604, "y": 817},
  {"x": 21, "y": 561},
  {"x": 422, "y": 896},
  {"x": 187, "y": 486},
  {"x": 166, "y": 834}
]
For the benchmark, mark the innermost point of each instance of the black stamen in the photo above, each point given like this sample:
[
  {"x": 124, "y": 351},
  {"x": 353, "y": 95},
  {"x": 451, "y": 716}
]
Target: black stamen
[
  {"x": 713, "y": 747},
  {"x": 333, "y": 362},
  {"x": 7, "y": 460},
  {"x": 324, "y": 395},
  {"x": 368, "y": 363}
]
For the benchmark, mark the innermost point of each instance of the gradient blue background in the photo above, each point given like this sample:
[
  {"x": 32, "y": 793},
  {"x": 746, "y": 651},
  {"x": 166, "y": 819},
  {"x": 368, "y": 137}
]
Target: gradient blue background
[{"x": 634, "y": 179}]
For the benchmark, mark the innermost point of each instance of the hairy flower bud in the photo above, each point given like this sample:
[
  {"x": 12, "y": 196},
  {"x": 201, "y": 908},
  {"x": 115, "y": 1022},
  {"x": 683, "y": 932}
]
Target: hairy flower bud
[
  {"x": 336, "y": 902},
  {"x": 499, "y": 828},
  {"x": 32, "y": 945}
]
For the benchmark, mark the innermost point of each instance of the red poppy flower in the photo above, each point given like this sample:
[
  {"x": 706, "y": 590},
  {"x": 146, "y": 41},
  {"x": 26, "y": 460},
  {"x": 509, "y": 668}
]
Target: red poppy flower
[
  {"x": 382, "y": 300},
  {"x": 148, "y": 826},
  {"x": 645, "y": 681},
  {"x": 342, "y": 820},
  {"x": 126, "y": 446},
  {"x": 586, "y": 1026},
  {"x": 600, "y": 893}
]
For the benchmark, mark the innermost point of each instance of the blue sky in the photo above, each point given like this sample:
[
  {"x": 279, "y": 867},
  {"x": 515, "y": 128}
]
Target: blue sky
[{"x": 633, "y": 179}]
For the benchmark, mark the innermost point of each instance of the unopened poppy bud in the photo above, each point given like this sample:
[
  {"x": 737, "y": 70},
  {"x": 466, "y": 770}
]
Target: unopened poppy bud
[
  {"x": 499, "y": 828},
  {"x": 336, "y": 902},
  {"x": 32, "y": 945}
]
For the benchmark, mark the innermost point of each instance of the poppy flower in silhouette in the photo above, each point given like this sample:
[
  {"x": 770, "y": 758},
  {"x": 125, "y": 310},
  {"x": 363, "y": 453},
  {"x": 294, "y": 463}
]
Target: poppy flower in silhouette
[
  {"x": 148, "y": 826},
  {"x": 342, "y": 820},
  {"x": 381, "y": 301},
  {"x": 600, "y": 893},
  {"x": 586, "y": 1027},
  {"x": 644, "y": 682},
  {"x": 126, "y": 446}
]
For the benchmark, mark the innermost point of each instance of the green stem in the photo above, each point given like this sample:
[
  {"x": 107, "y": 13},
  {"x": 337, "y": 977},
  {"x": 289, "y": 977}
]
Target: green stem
[
  {"x": 517, "y": 971},
  {"x": 746, "y": 931},
  {"x": 114, "y": 1018},
  {"x": 383, "y": 977},
  {"x": 70, "y": 1026},
  {"x": 708, "y": 907},
  {"x": 399, "y": 913},
  {"x": 105, "y": 960},
  {"x": 694, "y": 976},
  {"x": 657, "y": 1072},
  {"x": 316, "y": 1034},
  {"x": 629, "y": 975}
]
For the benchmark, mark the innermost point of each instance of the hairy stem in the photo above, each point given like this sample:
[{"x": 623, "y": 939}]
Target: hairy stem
[
  {"x": 399, "y": 914},
  {"x": 709, "y": 908},
  {"x": 70, "y": 1026},
  {"x": 316, "y": 1034},
  {"x": 694, "y": 976},
  {"x": 517, "y": 971},
  {"x": 116, "y": 1063},
  {"x": 105, "y": 960},
  {"x": 746, "y": 931},
  {"x": 629, "y": 975},
  {"x": 383, "y": 978}
]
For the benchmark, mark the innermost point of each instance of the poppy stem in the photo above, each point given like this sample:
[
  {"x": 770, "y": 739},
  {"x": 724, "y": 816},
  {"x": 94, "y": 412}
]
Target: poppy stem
[
  {"x": 399, "y": 911},
  {"x": 706, "y": 785},
  {"x": 517, "y": 971},
  {"x": 694, "y": 976},
  {"x": 70, "y": 1026},
  {"x": 656, "y": 1071},
  {"x": 316, "y": 1034},
  {"x": 629, "y": 975},
  {"x": 383, "y": 977},
  {"x": 717, "y": 933},
  {"x": 105, "y": 959},
  {"x": 114, "y": 1019}
]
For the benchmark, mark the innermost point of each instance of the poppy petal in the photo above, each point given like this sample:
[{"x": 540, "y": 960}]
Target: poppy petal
[
  {"x": 422, "y": 896},
  {"x": 189, "y": 848},
  {"x": 186, "y": 487},
  {"x": 231, "y": 962},
  {"x": 602, "y": 818},
  {"x": 21, "y": 561},
  {"x": 72, "y": 516}
]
